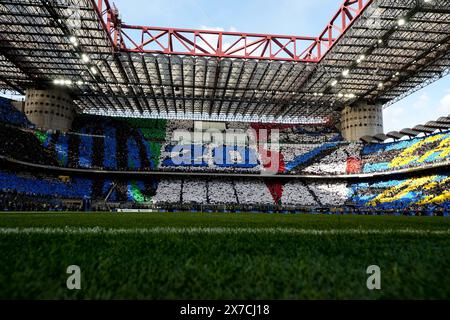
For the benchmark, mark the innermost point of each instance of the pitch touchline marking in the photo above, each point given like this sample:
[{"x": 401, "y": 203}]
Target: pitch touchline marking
[{"x": 206, "y": 230}]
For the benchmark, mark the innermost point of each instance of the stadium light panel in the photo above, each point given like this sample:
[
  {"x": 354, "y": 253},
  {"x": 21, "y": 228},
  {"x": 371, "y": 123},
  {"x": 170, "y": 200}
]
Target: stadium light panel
[
  {"x": 85, "y": 58},
  {"x": 73, "y": 40},
  {"x": 361, "y": 58},
  {"x": 401, "y": 22}
]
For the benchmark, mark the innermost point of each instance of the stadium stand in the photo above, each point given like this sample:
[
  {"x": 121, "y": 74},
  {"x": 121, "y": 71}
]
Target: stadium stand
[
  {"x": 422, "y": 193},
  {"x": 427, "y": 194},
  {"x": 31, "y": 185},
  {"x": 121, "y": 144},
  {"x": 346, "y": 159},
  {"x": 10, "y": 115},
  {"x": 116, "y": 145},
  {"x": 406, "y": 153}
]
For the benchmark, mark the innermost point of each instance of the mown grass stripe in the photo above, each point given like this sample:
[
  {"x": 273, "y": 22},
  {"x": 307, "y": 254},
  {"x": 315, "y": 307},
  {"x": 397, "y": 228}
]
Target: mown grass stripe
[{"x": 207, "y": 230}]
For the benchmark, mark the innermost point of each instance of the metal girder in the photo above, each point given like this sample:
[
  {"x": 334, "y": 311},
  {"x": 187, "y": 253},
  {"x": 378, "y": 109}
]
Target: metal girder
[
  {"x": 424, "y": 129},
  {"x": 395, "y": 135},
  {"x": 444, "y": 120},
  {"x": 438, "y": 126},
  {"x": 221, "y": 44},
  {"x": 380, "y": 137},
  {"x": 410, "y": 132}
]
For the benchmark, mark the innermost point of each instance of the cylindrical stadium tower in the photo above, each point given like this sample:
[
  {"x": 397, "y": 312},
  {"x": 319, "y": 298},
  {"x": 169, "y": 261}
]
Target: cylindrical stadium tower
[
  {"x": 49, "y": 109},
  {"x": 362, "y": 119}
]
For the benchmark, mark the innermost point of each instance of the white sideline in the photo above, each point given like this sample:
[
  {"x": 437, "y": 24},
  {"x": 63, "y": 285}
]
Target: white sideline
[{"x": 208, "y": 230}]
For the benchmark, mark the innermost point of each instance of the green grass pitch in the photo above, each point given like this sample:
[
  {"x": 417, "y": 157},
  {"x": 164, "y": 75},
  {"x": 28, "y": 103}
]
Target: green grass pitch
[{"x": 222, "y": 256}]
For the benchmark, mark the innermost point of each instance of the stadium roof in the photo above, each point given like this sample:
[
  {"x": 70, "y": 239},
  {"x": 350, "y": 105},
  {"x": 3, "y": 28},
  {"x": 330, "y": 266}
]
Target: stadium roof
[
  {"x": 438, "y": 125},
  {"x": 430, "y": 127},
  {"x": 371, "y": 50}
]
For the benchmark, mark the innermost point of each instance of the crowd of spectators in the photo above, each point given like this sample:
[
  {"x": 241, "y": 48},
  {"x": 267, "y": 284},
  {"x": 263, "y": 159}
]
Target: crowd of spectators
[
  {"x": 433, "y": 190},
  {"x": 126, "y": 148},
  {"x": 248, "y": 192},
  {"x": 405, "y": 154},
  {"x": 14, "y": 201},
  {"x": 213, "y": 191},
  {"x": 35, "y": 184},
  {"x": 147, "y": 145},
  {"x": 420, "y": 192},
  {"x": 337, "y": 162},
  {"x": 142, "y": 145},
  {"x": 22, "y": 145},
  {"x": 9, "y": 114},
  {"x": 24, "y": 191}
]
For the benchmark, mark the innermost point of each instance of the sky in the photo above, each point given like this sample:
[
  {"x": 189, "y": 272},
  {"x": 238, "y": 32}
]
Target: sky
[{"x": 296, "y": 17}]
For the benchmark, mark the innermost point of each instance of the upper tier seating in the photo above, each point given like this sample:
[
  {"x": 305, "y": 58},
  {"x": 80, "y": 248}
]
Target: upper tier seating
[
  {"x": 151, "y": 145},
  {"x": 406, "y": 153},
  {"x": 10, "y": 115},
  {"x": 339, "y": 161},
  {"x": 23, "y": 145},
  {"x": 209, "y": 157}
]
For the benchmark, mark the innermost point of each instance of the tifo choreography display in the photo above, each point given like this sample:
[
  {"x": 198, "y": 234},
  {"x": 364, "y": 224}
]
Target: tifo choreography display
[{"x": 132, "y": 157}]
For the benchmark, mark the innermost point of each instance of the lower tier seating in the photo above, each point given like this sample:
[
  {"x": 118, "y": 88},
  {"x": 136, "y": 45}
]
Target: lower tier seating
[{"x": 422, "y": 192}]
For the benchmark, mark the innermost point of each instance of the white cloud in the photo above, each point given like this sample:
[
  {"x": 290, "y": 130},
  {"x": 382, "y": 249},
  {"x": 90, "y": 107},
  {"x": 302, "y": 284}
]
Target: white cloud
[
  {"x": 416, "y": 109},
  {"x": 230, "y": 29},
  {"x": 395, "y": 112},
  {"x": 444, "y": 105},
  {"x": 211, "y": 28},
  {"x": 393, "y": 118},
  {"x": 422, "y": 102},
  {"x": 212, "y": 39}
]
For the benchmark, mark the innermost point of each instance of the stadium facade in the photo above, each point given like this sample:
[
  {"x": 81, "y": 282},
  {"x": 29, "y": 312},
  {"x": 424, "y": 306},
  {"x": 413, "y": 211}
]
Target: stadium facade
[{"x": 123, "y": 115}]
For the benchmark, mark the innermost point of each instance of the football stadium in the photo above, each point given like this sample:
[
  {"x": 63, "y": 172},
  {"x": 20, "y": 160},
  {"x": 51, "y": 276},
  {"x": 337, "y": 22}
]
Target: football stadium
[{"x": 171, "y": 163}]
